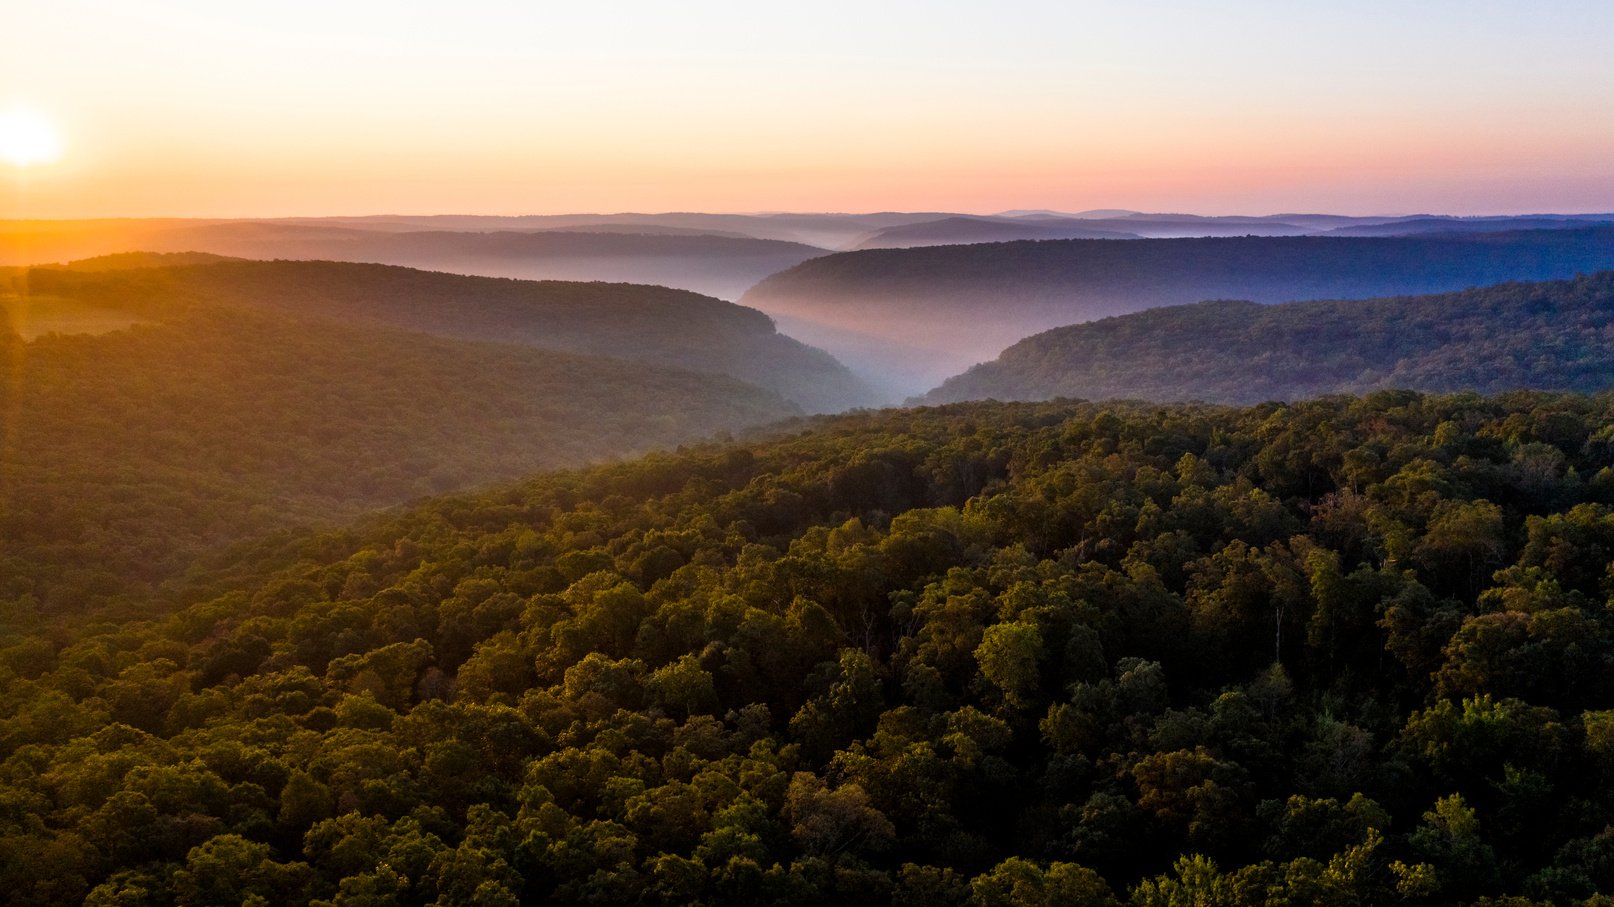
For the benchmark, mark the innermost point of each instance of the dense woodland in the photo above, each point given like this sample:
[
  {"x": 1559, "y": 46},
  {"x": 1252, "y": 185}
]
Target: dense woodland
[
  {"x": 1556, "y": 335},
  {"x": 126, "y": 455},
  {"x": 661, "y": 326},
  {"x": 1077, "y": 272},
  {"x": 1350, "y": 651},
  {"x": 933, "y": 312}
]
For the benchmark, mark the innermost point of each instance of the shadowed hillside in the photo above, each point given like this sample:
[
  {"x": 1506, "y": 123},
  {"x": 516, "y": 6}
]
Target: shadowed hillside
[
  {"x": 723, "y": 266},
  {"x": 1421, "y": 225},
  {"x": 916, "y": 316},
  {"x": 1548, "y": 336},
  {"x": 715, "y": 265},
  {"x": 650, "y": 324},
  {"x": 126, "y": 454}
]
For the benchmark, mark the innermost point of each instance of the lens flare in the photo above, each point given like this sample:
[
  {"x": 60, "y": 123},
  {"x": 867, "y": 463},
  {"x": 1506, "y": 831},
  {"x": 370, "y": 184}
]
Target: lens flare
[{"x": 26, "y": 138}]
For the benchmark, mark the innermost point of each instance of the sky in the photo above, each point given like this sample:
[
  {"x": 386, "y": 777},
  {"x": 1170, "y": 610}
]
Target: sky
[{"x": 315, "y": 107}]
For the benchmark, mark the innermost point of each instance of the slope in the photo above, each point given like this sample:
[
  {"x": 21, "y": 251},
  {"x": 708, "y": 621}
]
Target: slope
[
  {"x": 124, "y": 455},
  {"x": 656, "y": 325},
  {"x": 921, "y": 315},
  {"x": 1552, "y": 336},
  {"x": 1347, "y": 652},
  {"x": 715, "y": 265}
]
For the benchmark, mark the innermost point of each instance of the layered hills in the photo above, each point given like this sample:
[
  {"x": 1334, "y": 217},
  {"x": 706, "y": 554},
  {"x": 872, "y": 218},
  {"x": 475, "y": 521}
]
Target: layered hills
[
  {"x": 721, "y": 265},
  {"x": 953, "y": 231},
  {"x": 1556, "y": 335},
  {"x": 166, "y": 415},
  {"x": 674, "y": 328},
  {"x": 917, "y": 316}
]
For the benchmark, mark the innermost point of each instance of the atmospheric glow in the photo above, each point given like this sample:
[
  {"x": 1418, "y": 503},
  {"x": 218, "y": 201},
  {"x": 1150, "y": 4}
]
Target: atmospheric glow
[
  {"x": 257, "y": 108},
  {"x": 27, "y": 138}
]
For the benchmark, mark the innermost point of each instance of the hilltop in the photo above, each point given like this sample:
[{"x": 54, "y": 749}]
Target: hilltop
[
  {"x": 921, "y": 315},
  {"x": 1556, "y": 335},
  {"x": 127, "y": 454},
  {"x": 674, "y": 328},
  {"x": 960, "y": 230},
  {"x": 712, "y": 264}
]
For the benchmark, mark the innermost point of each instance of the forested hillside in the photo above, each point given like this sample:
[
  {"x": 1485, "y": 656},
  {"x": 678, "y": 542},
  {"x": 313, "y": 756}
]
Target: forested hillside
[
  {"x": 923, "y": 315},
  {"x": 657, "y": 325},
  {"x": 124, "y": 456},
  {"x": 716, "y": 265},
  {"x": 1556, "y": 335},
  {"x": 1353, "y": 651}
]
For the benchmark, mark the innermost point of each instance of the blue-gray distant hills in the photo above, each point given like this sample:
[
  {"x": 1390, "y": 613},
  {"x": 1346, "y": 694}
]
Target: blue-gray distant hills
[
  {"x": 957, "y": 230},
  {"x": 912, "y": 317},
  {"x": 1556, "y": 335},
  {"x": 1414, "y": 226}
]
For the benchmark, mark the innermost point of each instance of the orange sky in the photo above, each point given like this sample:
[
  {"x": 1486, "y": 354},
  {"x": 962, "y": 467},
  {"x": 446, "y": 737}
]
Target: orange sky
[{"x": 187, "y": 108}]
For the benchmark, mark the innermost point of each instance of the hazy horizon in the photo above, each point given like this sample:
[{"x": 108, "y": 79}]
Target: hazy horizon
[
  {"x": 1524, "y": 211},
  {"x": 181, "y": 108}
]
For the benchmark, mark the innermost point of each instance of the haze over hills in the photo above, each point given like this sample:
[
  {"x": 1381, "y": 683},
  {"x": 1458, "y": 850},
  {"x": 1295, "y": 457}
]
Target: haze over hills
[
  {"x": 960, "y": 230},
  {"x": 1411, "y": 226},
  {"x": 722, "y": 266},
  {"x": 36, "y": 242},
  {"x": 913, "y": 317},
  {"x": 125, "y": 455},
  {"x": 673, "y": 328},
  {"x": 502, "y": 454},
  {"x": 1555, "y": 336}
]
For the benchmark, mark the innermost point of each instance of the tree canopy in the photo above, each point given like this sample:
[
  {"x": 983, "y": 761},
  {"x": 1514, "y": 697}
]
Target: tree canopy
[
  {"x": 1555, "y": 335},
  {"x": 1350, "y": 651}
]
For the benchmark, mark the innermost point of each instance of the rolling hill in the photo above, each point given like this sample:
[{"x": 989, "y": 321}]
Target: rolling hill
[
  {"x": 1347, "y": 652},
  {"x": 952, "y": 231},
  {"x": 917, "y": 316},
  {"x": 673, "y": 328},
  {"x": 723, "y": 266},
  {"x": 1411, "y": 226},
  {"x": 1556, "y": 336},
  {"x": 125, "y": 454},
  {"x": 714, "y": 265}
]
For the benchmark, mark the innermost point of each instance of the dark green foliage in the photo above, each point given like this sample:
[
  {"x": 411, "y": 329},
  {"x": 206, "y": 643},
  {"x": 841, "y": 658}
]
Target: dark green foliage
[
  {"x": 1546, "y": 336},
  {"x": 1351, "y": 651},
  {"x": 124, "y": 456}
]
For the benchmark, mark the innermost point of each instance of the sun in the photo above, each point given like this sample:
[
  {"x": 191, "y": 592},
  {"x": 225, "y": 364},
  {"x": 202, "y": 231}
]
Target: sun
[{"x": 26, "y": 138}]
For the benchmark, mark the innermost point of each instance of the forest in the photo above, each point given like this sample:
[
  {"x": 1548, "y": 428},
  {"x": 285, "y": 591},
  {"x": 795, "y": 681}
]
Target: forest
[
  {"x": 1553, "y": 335},
  {"x": 125, "y": 456},
  {"x": 925, "y": 314},
  {"x": 1346, "y": 651},
  {"x": 652, "y": 324}
]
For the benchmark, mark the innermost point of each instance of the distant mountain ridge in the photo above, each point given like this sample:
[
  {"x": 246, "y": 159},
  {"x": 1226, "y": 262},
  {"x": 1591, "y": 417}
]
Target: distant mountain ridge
[
  {"x": 723, "y": 266},
  {"x": 1555, "y": 336},
  {"x": 672, "y": 328},
  {"x": 1412, "y": 226},
  {"x": 961, "y": 230},
  {"x": 917, "y": 316}
]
